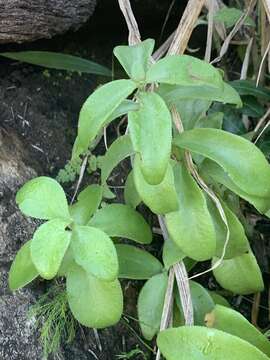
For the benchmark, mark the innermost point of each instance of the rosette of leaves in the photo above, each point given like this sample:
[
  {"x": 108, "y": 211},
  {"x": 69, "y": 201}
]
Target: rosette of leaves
[{"x": 75, "y": 242}]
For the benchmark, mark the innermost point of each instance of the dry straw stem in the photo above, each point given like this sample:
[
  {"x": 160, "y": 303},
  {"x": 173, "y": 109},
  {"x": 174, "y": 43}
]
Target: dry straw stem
[
  {"x": 184, "y": 291},
  {"x": 219, "y": 26},
  {"x": 266, "y": 30},
  {"x": 266, "y": 4},
  {"x": 210, "y": 6},
  {"x": 266, "y": 115},
  {"x": 186, "y": 26},
  {"x": 134, "y": 33},
  {"x": 235, "y": 29},
  {"x": 246, "y": 61},
  {"x": 243, "y": 75},
  {"x": 261, "y": 64}
]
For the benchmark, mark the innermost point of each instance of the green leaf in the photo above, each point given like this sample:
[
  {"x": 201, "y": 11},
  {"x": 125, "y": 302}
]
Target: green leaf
[
  {"x": 88, "y": 202},
  {"x": 48, "y": 247},
  {"x": 107, "y": 193},
  {"x": 232, "y": 322},
  {"x": 135, "y": 263},
  {"x": 191, "y": 110},
  {"x": 218, "y": 299},
  {"x": 22, "y": 270},
  {"x": 238, "y": 243},
  {"x": 213, "y": 120},
  {"x": 191, "y": 227},
  {"x": 95, "y": 252},
  {"x": 240, "y": 275},
  {"x": 53, "y": 60},
  {"x": 118, "y": 151},
  {"x": 67, "y": 262},
  {"x": 252, "y": 107},
  {"x": 151, "y": 136},
  {"x": 135, "y": 59},
  {"x": 43, "y": 198},
  {"x": 248, "y": 87},
  {"x": 241, "y": 159},
  {"x": 125, "y": 107},
  {"x": 150, "y": 304},
  {"x": 97, "y": 110},
  {"x": 184, "y": 70},
  {"x": 161, "y": 198},
  {"x": 93, "y": 302},
  {"x": 173, "y": 93},
  {"x": 122, "y": 221},
  {"x": 201, "y": 300},
  {"x": 233, "y": 122},
  {"x": 201, "y": 343},
  {"x": 171, "y": 253},
  {"x": 230, "y": 15},
  {"x": 132, "y": 198},
  {"x": 210, "y": 168}
]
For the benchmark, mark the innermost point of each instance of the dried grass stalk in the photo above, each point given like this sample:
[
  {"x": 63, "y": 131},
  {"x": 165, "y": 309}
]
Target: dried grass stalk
[
  {"x": 208, "y": 50},
  {"x": 186, "y": 26}
]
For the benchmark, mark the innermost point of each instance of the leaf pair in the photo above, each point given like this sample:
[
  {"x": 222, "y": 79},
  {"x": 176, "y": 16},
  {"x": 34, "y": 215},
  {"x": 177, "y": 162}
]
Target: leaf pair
[{"x": 43, "y": 198}]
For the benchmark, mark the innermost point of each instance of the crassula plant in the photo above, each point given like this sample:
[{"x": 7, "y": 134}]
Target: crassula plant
[{"x": 188, "y": 172}]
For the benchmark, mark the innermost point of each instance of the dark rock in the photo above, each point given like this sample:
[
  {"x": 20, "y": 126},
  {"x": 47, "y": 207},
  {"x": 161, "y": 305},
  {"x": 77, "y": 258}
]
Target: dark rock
[
  {"x": 14, "y": 227},
  {"x": 29, "y": 20}
]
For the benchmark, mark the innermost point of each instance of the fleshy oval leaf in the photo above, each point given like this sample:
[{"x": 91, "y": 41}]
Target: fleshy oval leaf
[
  {"x": 161, "y": 198},
  {"x": 48, "y": 247},
  {"x": 232, "y": 322},
  {"x": 97, "y": 109},
  {"x": 87, "y": 204},
  {"x": 131, "y": 195},
  {"x": 240, "y": 275},
  {"x": 122, "y": 221},
  {"x": 136, "y": 263},
  {"x": 43, "y": 198},
  {"x": 150, "y": 305},
  {"x": 201, "y": 343},
  {"x": 173, "y": 94},
  {"x": 184, "y": 70},
  {"x": 191, "y": 227},
  {"x": 118, "y": 151},
  {"x": 94, "y": 251},
  {"x": 22, "y": 270},
  {"x": 238, "y": 243},
  {"x": 135, "y": 59},
  {"x": 239, "y": 158},
  {"x": 93, "y": 302},
  {"x": 171, "y": 253},
  {"x": 151, "y": 135},
  {"x": 211, "y": 169}
]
